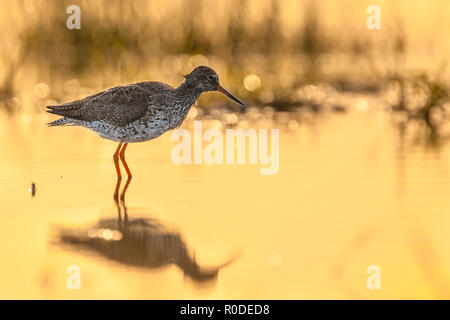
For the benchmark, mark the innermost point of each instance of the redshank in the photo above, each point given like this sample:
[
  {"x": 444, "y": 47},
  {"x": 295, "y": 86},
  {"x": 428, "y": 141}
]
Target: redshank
[{"x": 138, "y": 112}]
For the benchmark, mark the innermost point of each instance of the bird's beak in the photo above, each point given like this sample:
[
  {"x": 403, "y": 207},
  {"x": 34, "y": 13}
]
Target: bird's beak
[{"x": 229, "y": 95}]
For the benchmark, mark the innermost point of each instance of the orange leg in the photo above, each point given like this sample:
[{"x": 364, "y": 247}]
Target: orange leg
[
  {"x": 116, "y": 161},
  {"x": 122, "y": 157},
  {"x": 116, "y": 191},
  {"x": 124, "y": 191}
]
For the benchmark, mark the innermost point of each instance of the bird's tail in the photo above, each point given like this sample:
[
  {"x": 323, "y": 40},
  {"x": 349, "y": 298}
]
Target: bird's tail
[{"x": 60, "y": 122}]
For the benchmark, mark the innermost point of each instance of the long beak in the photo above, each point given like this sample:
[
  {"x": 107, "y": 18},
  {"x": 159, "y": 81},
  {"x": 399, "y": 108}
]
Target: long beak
[{"x": 229, "y": 95}]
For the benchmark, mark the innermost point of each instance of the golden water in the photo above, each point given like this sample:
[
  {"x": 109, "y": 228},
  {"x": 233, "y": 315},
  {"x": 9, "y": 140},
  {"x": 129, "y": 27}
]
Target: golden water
[{"x": 349, "y": 194}]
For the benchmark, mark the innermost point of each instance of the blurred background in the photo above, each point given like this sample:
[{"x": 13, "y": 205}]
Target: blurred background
[
  {"x": 266, "y": 51},
  {"x": 364, "y": 163}
]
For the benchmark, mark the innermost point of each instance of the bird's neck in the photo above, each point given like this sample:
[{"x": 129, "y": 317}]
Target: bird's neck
[{"x": 187, "y": 94}]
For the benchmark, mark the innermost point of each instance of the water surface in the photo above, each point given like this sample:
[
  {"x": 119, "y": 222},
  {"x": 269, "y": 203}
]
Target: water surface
[{"x": 350, "y": 193}]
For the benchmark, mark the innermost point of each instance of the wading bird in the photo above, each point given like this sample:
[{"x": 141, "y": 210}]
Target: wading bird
[{"x": 138, "y": 112}]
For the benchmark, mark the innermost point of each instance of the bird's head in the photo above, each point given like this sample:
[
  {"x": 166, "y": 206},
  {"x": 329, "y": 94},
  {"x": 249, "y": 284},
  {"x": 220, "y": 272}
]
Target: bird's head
[{"x": 206, "y": 79}]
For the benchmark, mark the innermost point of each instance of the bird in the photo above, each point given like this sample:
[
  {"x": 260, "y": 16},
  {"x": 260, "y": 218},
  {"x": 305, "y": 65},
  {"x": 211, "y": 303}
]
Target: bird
[{"x": 138, "y": 112}]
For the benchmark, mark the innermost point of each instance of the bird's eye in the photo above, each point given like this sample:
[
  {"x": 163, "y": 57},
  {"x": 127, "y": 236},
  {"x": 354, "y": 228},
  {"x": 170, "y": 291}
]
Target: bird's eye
[{"x": 211, "y": 77}]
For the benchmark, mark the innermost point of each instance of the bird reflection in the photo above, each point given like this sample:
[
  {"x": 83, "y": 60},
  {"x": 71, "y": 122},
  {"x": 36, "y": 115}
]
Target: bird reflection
[{"x": 138, "y": 242}]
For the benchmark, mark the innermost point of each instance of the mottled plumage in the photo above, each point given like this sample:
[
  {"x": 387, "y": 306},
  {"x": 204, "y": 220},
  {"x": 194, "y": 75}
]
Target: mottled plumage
[
  {"x": 138, "y": 112},
  {"x": 129, "y": 113}
]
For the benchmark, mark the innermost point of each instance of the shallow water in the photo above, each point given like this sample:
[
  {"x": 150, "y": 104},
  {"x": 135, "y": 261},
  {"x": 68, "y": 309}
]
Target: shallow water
[{"x": 349, "y": 194}]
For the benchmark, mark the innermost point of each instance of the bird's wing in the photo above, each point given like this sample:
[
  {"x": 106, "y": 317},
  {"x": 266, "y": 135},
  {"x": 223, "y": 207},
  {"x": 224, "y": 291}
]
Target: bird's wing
[{"x": 117, "y": 106}]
